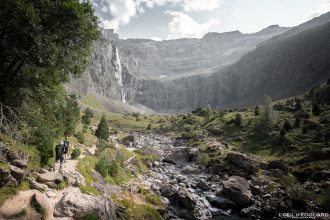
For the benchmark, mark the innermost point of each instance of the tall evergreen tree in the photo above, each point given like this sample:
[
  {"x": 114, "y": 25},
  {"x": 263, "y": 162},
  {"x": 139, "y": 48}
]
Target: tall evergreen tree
[
  {"x": 102, "y": 131},
  {"x": 316, "y": 109}
]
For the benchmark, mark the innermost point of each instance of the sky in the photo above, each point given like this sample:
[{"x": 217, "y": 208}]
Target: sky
[{"x": 172, "y": 19}]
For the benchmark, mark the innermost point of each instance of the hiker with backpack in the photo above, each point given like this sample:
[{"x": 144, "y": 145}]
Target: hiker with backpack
[
  {"x": 59, "y": 154},
  {"x": 66, "y": 148}
]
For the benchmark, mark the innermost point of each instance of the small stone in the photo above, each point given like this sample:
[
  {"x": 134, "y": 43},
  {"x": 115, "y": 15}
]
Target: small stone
[{"x": 203, "y": 185}]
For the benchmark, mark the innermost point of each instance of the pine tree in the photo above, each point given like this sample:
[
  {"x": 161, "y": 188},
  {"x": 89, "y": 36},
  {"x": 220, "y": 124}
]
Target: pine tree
[
  {"x": 256, "y": 111},
  {"x": 238, "y": 119},
  {"x": 298, "y": 105},
  {"x": 102, "y": 131},
  {"x": 316, "y": 109}
]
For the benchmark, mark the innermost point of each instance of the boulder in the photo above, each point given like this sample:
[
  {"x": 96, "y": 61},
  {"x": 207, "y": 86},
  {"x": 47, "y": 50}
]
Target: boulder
[
  {"x": 77, "y": 205},
  {"x": 75, "y": 178},
  {"x": 9, "y": 154},
  {"x": 221, "y": 202},
  {"x": 322, "y": 175},
  {"x": 276, "y": 164},
  {"x": 54, "y": 177},
  {"x": 186, "y": 199},
  {"x": 128, "y": 140},
  {"x": 168, "y": 190},
  {"x": 38, "y": 186},
  {"x": 19, "y": 163},
  {"x": 192, "y": 154},
  {"x": 317, "y": 155},
  {"x": 18, "y": 173},
  {"x": 215, "y": 178},
  {"x": 244, "y": 162},
  {"x": 237, "y": 189},
  {"x": 218, "y": 169},
  {"x": 6, "y": 179},
  {"x": 203, "y": 185},
  {"x": 251, "y": 212}
]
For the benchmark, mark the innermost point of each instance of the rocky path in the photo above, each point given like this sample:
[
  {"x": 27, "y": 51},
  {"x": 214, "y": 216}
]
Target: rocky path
[{"x": 66, "y": 204}]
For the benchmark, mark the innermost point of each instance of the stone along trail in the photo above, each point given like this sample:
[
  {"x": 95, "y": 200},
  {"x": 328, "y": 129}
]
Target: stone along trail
[{"x": 65, "y": 204}]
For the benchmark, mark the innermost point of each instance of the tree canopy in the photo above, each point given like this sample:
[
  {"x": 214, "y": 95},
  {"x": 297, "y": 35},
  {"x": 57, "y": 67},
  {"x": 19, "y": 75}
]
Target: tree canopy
[{"x": 42, "y": 44}]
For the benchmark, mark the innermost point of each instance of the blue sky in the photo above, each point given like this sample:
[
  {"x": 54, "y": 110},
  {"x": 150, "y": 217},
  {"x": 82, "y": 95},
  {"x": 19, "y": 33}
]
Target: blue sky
[{"x": 171, "y": 19}]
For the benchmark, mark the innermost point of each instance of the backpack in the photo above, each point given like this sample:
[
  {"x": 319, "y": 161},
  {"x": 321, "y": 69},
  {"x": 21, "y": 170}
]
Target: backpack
[
  {"x": 66, "y": 146},
  {"x": 59, "y": 150}
]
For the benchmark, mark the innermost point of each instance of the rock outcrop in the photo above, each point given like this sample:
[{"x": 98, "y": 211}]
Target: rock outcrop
[
  {"x": 77, "y": 205},
  {"x": 237, "y": 189}
]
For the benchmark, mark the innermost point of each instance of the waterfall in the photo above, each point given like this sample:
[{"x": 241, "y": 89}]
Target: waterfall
[{"x": 119, "y": 76}]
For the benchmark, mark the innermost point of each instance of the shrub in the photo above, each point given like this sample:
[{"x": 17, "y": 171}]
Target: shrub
[
  {"x": 80, "y": 137},
  {"x": 90, "y": 216},
  {"x": 203, "y": 159},
  {"x": 149, "y": 127},
  {"x": 75, "y": 153},
  {"x": 238, "y": 120},
  {"x": 298, "y": 105},
  {"x": 287, "y": 125},
  {"x": 113, "y": 171},
  {"x": 265, "y": 119},
  {"x": 256, "y": 111},
  {"x": 102, "y": 131},
  {"x": 102, "y": 145},
  {"x": 102, "y": 167},
  {"x": 297, "y": 123},
  {"x": 316, "y": 109}
]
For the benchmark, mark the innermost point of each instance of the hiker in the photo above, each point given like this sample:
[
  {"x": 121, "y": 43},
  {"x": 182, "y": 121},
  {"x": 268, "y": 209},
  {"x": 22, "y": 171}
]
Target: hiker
[
  {"x": 59, "y": 151},
  {"x": 66, "y": 148}
]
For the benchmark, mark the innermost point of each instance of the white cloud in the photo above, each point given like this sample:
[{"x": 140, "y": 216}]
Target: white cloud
[
  {"x": 184, "y": 26},
  {"x": 156, "y": 38},
  {"x": 117, "y": 13},
  {"x": 201, "y": 5},
  {"x": 323, "y": 8}
]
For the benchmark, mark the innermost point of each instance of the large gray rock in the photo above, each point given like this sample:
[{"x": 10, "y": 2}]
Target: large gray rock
[
  {"x": 276, "y": 164},
  {"x": 186, "y": 198},
  {"x": 203, "y": 185},
  {"x": 6, "y": 179},
  {"x": 237, "y": 189},
  {"x": 19, "y": 163},
  {"x": 244, "y": 162},
  {"x": 77, "y": 205},
  {"x": 54, "y": 177},
  {"x": 168, "y": 190},
  {"x": 18, "y": 173},
  {"x": 75, "y": 178},
  {"x": 221, "y": 202}
]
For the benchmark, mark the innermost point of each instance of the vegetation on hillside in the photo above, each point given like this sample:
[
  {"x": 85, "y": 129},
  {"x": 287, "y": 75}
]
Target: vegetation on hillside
[{"x": 43, "y": 44}]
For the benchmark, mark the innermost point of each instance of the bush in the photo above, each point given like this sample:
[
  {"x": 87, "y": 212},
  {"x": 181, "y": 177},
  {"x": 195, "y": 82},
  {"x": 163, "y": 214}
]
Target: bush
[
  {"x": 90, "y": 216},
  {"x": 102, "y": 167},
  {"x": 113, "y": 171},
  {"x": 238, "y": 120},
  {"x": 149, "y": 127},
  {"x": 75, "y": 153},
  {"x": 297, "y": 123},
  {"x": 265, "y": 119},
  {"x": 102, "y": 131},
  {"x": 102, "y": 145},
  {"x": 203, "y": 159},
  {"x": 298, "y": 105},
  {"x": 256, "y": 111},
  {"x": 80, "y": 137},
  {"x": 316, "y": 109},
  {"x": 287, "y": 125}
]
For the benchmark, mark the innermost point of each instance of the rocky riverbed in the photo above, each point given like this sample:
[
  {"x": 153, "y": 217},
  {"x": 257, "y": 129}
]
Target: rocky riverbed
[{"x": 235, "y": 190}]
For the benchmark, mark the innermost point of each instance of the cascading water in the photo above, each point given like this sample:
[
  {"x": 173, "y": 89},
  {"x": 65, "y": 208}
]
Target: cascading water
[{"x": 119, "y": 76}]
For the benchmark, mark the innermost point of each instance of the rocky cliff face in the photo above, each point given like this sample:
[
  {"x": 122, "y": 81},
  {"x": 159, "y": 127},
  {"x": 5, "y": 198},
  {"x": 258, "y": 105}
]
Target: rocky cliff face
[{"x": 220, "y": 69}]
